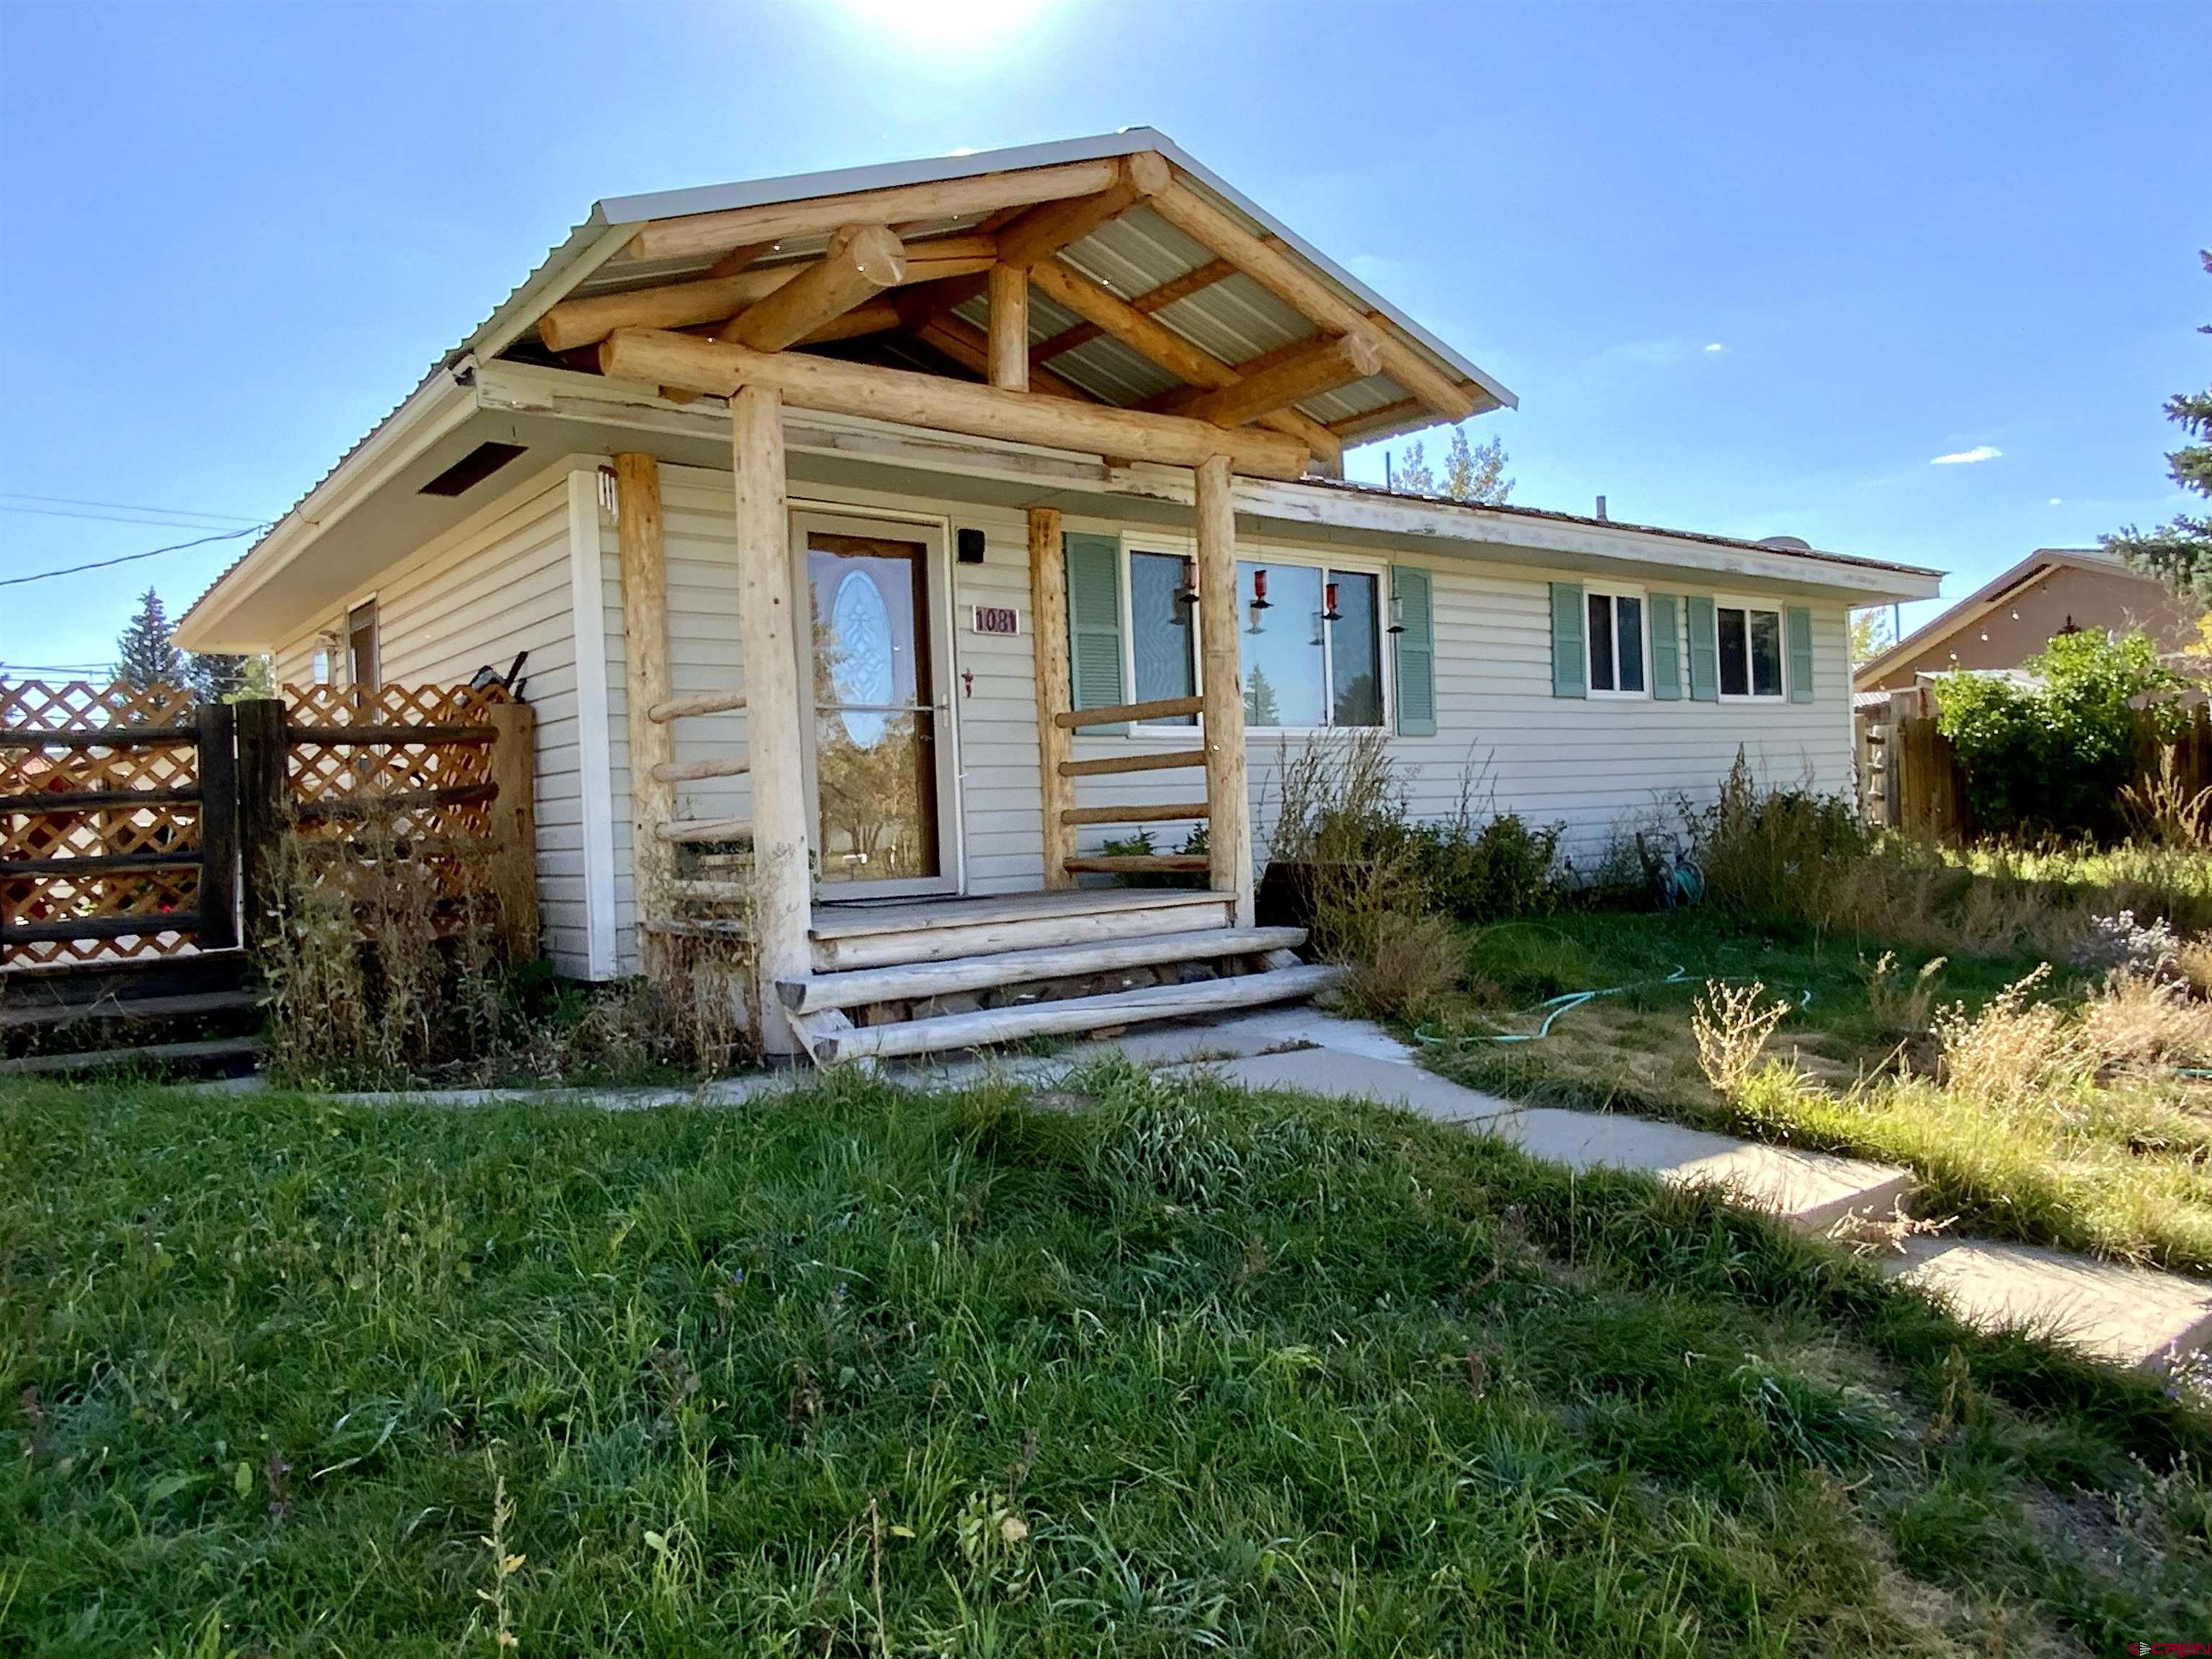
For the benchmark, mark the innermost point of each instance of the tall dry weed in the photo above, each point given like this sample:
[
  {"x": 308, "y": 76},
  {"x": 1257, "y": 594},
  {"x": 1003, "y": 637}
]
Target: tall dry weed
[
  {"x": 1413, "y": 964},
  {"x": 1342, "y": 821},
  {"x": 2017, "y": 1051},
  {"x": 1732, "y": 1027}
]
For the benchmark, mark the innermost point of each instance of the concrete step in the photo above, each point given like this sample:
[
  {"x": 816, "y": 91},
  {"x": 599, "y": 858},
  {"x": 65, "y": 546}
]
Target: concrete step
[{"x": 2131, "y": 1315}]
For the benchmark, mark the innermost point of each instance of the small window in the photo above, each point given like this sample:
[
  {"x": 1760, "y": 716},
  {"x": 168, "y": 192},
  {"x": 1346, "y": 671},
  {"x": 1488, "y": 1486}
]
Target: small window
[
  {"x": 1750, "y": 646},
  {"x": 363, "y": 670},
  {"x": 1614, "y": 631},
  {"x": 319, "y": 665}
]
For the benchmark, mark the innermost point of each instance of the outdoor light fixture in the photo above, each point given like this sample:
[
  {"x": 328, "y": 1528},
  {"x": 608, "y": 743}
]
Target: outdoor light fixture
[
  {"x": 1397, "y": 616},
  {"x": 1329, "y": 610},
  {"x": 1259, "y": 598}
]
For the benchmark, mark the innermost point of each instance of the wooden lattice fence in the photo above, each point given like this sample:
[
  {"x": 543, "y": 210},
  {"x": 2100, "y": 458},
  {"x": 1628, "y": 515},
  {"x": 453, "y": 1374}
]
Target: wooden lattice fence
[
  {"x": 134, "y": 824},
  {"x": 104, "y": 825}
]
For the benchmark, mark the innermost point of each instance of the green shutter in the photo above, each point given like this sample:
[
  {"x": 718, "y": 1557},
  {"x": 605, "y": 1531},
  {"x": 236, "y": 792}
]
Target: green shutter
[
  {"x": 1665, "y": 647},
  {"x": 1416, "y": 650},
  {"x": 1704, "y": 650},
  {"x": 1798, "y": 622},
  {"x": 1569, "y": 669},
  {"x": 1094, "y": 623}
]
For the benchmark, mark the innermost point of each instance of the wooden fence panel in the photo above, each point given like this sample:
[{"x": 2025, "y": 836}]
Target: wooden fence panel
[
  {"x": 100, "y": 823},
  {"x": 136, "y": 823}
]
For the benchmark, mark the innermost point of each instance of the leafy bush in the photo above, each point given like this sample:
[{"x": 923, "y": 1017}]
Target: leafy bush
[
  {"x": 2058, "y": 753},
  {"x": 1505, "y": 869},
  {"x": 1413, "y": 964},
  {"x": 1142, "y": 846}
]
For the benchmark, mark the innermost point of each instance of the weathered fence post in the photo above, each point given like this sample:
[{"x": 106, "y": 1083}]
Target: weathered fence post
[
  {"x": 218, "y": 772},
  {"x": 515, "y": 827},
  {"x": 264, "y": 809}
]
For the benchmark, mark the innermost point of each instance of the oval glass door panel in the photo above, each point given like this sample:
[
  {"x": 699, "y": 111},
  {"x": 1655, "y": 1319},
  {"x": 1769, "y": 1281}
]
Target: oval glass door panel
[{"x": 875, "y": 719}]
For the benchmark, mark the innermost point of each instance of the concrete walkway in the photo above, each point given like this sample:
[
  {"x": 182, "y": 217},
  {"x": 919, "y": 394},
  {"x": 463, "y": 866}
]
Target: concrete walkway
[{"x": 2132, "y": 1316}]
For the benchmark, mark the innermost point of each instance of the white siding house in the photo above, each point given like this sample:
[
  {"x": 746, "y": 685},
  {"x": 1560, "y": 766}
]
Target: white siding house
[{"x": 1575, "y": 670}]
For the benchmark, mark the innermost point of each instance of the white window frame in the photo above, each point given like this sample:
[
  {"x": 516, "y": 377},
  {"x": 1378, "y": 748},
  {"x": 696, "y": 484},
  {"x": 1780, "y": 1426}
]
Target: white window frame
[
  {"x": 1350, "y": 565},
  {"x": 1617, "y": 591},
  {"x": 1780, "y": 612}
]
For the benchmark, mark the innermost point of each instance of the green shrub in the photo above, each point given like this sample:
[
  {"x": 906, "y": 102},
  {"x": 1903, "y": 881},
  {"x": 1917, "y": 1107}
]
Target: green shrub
[
  {"x": 2058, "y": 753},
  {"x": 1505, "y": 869}
]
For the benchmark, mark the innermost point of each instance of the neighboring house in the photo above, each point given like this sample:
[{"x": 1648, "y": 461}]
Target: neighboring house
[
  {"x": 2055, "y": 590},
  {"x": 926, "y": 463}
]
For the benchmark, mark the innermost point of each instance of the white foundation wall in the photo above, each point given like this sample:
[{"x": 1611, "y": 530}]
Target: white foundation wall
[
  {"x": 496, "y": 585},
  {"x": 1595, "y": 766}
]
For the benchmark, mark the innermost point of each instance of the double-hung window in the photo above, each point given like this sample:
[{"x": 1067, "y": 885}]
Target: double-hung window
[
  {"x": 1613, "y": 633},
  {"x": 1749, "y": 643},
  {"x": 1310, "y": 638}
]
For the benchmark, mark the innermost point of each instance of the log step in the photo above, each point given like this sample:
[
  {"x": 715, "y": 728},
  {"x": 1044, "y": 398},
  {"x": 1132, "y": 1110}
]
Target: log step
[
  {"x": 697, "y": 830},
  {"x": 51, "y": 1015},
  {"x": 209, "y": 1053},
  {"x": 911, "y": 981},
  {"x": 948, "y": 933},
  {"x": 1072, "y": 1014}
]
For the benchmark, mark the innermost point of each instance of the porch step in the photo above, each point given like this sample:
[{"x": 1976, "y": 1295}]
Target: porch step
[
  {"x": 47, "y": 1016},
  {"x": 914, "y": 981},
  {"x": 845, "y": 939},
  {"x": 226, "y": 1057},
  {"x": 830, "y": 1044}
]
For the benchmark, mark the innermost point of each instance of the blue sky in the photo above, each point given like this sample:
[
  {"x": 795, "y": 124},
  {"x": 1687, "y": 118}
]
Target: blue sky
[{"x": 1751, "y": 268}]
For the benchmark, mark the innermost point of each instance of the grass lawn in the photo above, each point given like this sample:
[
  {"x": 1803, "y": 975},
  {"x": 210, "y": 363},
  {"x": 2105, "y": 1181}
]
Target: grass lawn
[
  {"x": 1146, "y": 1368},
  {"x": 2122, "y": 1169}
]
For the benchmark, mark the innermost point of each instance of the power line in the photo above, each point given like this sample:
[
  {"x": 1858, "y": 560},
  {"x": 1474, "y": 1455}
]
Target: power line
[
  {"x": 125, "y": 507},
  {"x": 162, "y": 520},
  {"x": 102, "y": 564}
]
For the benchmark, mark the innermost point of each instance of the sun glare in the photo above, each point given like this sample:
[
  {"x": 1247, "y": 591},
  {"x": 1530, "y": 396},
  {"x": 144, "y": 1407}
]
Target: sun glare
[{"x": 946, "y": 26}]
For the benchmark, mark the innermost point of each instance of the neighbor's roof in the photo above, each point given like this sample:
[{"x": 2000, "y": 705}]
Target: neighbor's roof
[{"x": 2006, "y": 585}]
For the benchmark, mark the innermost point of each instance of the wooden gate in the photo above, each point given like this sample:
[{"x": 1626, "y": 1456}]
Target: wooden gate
[{"x": 118, "y": 824}]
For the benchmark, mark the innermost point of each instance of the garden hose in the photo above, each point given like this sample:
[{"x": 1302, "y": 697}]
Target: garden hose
[{"x": 1567, "y": 1001}]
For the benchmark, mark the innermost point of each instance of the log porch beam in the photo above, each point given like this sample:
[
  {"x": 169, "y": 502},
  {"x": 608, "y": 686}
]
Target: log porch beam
[
  {"x": 1150, "y": 338},
  {"x": 1042, "y": 231},
  {"x": 1283, "y": 275},
  {"x": 715, "y": 299},
  {"x": 696, "y": 234},
  {"x": 1194, "y": 281},
  {"x": 660, "y": 358},
  {"x": 860, "y": 262},
  {"x": 1321, "y": 366}
]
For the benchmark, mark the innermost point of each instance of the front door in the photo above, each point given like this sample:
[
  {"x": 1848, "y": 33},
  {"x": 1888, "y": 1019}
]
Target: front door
[{"x": 878, "y": 750}]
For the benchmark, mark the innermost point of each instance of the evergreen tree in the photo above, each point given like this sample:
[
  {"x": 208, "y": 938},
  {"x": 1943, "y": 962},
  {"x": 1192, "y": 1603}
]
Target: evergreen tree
[
  {"x": 144, "y": 652},
  {"x": 216, "y": 677},
  {"x": 2179, "y": 554}
]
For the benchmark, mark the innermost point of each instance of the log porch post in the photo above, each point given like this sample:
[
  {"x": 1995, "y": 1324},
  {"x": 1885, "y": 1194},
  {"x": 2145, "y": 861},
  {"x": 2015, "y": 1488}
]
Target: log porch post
[
  {"x": 645, "y": 679},
  {"x": 1055, "y": 696},
  {"x": 782, "y": 876},
  {"x": 1229, "y": 803}
]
